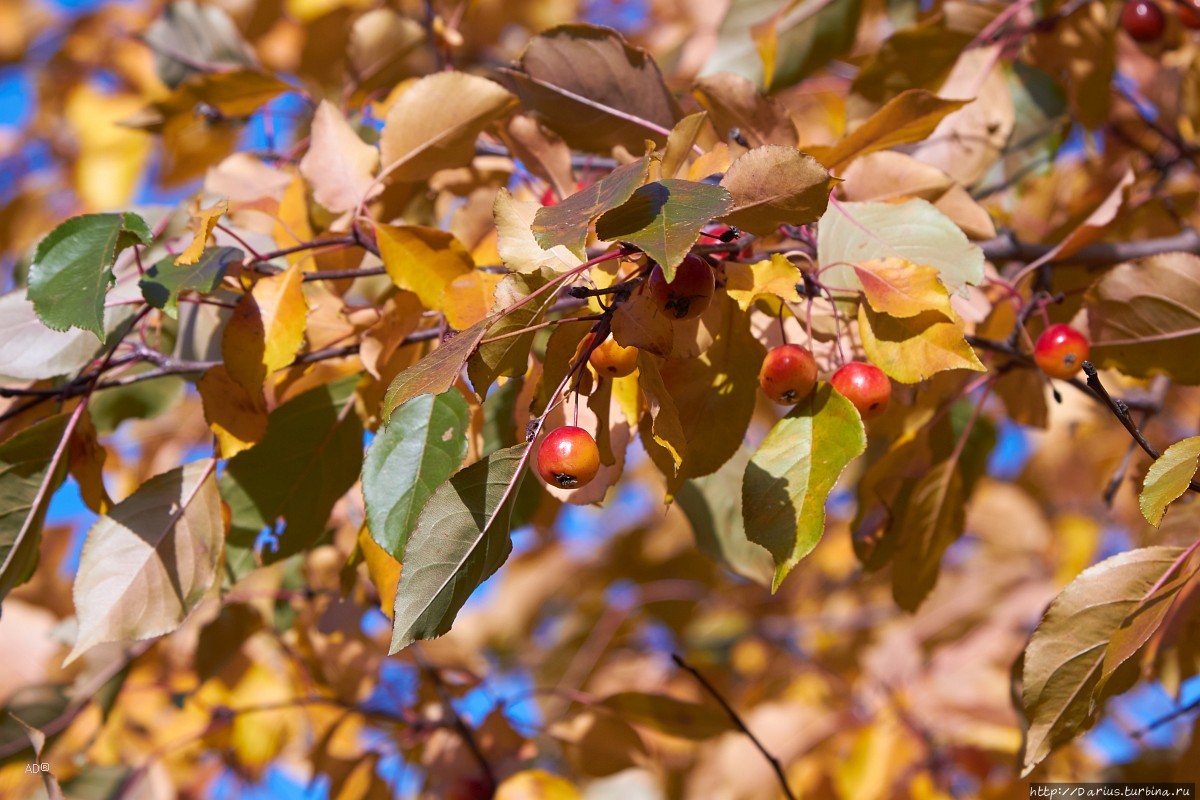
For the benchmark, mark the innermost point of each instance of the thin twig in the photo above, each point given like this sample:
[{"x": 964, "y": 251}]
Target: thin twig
[
  {"x": 733, "y": 716},
  {"x": 1121, "y": 411}
]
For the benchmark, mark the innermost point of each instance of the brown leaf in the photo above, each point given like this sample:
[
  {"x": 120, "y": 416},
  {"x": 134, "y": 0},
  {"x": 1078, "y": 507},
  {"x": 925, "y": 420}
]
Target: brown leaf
[
  {"x": 773, "y": 185},
  {"x": 735, "y": 102}
]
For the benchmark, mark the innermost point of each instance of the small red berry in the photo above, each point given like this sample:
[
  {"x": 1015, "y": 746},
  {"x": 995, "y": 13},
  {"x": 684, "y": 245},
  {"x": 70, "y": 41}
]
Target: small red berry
[
  {"x": 1060, "y": 351},
  {"x": 788, "y": 374},
  {"x": 865, "y": 386},
  {"x": 1143, "y": 20},
  {"x": 612, "y": 360},
  {"x": 688, "y": 295},
  {"x": 568, "y": 458}
]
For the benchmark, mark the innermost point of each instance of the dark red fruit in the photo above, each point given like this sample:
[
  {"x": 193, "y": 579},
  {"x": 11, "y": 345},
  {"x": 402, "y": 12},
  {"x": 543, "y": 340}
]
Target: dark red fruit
[
  {"x": 865, "y": 386},
  {"x": 1189, "y": 13},
  {"x": 568, "y": 458},
  {"x": 688, "y": 295},
  {"x": 788, "y": 374},
  {"x": 1143, "y": 20},
  {"x": 1060, "y": 351},
  {"x": 612, "y": 360}
]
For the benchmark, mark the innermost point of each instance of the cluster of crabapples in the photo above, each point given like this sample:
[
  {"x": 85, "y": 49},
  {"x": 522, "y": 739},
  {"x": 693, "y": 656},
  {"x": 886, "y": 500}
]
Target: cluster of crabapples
[
  {"x": 1145, "y": 21},
  {"x": 569, "y": 457}
]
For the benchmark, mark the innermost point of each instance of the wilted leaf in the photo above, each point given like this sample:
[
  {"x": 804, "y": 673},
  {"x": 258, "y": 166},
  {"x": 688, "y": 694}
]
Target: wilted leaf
[
  {"x": 433, "y": 125},
  {"x": 31, "y": 469},
  {"x": 1063, "y": 661},
  {"x": 909, "y": 117},
  {"x": 422, "y": 445},
  {"x": 664, "y": 219},
  {"x": 1168, "y": 478},
  {"x": 1144, "y": 317},
  {"x": 148, "y": 562},
  {"x": 773, "y": 185},
  {"x": 733, "y": 101},
  {"x": 591, "y": 86},
  {"x": 423, "y": 260},
  {"x": 567, "y": 223},
  {"x": 310, "y": 456},
  {"x": 206, "y": 220},
  {"x": 339, "y": 165},
  {"x": 775, "y": 276},
  {"x": 900, "y": 288},
  {"x": 911, "y": 349},
  {"x": 518, "y": 248},
  {"x": 665, "y": 714},
  {"x": 461, "y": 538},
  {"x": 164, "y": 282},
  {"x": 436, "y": 372},
  {"x": 792, "y": 472},
  {"x": 73, "y": 268},
  {"x": 914, "y": 231}
]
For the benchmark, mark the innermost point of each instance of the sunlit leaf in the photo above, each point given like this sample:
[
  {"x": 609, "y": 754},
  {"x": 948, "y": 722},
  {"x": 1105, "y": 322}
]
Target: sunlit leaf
[
  {"x": 148, "y": 562},
  {"x": 773, "y": 185},
  {"x": 733, "y": 101},
  {"x": 266, "y": 329},
  {"x": 509, "y": 356},
  {"x": 775, "y": 276},
  {"x": 436, "y": 372},
  {"x": 909, "y": 117},
  {"x": 664, "y": 219},
  {"x": 1168, "y": 478},
  {"x": 206, "y": 221},
  {"x": 423, "y": 260},
  {"x": 1063, "y": 661},
  {"x": 73, "y": 268},
  {"x": 536, "y": 784},
  {"x": 31, "y": 351},
  {"x": 900, "y": 288},
  {"x": 913, "y": 230},
  {"x": 792, "y": 472},
  {"x": 237, "y": 416},
  {"x": 461, "y": 538},
  {"x": 911, "y": 349},
  {"x": 339, "y": 165},
  {"x": 422, "y": 445},
  {"x": 519, "y": 249},
  {"x": 567, "y": 223}
]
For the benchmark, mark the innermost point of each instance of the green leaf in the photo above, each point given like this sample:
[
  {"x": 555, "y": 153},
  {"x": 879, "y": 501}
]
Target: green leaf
[
  {"x": 713, "y": 505},
  {"x": 422, "y": 445},
  {"x": 567, "y": 223},
  {"x": 792, "y": 472},
  {"x": 773, "y": 185},
  {"x": 1144, "y": 317},
  {"x": 913, "y": 230},
  {"x": 151, "y": 559},
  {"x": 309, "y": 457},
  {"x": 664, "y": 218},
  {"x": 72, "y": 268},
  {"x": 1168, "y": 478},
  {"x": 436, "y": 372},
  {"x": 500, "y": 417},
  {"x": 461, "y": 538},
  {"x": 163, "y": 282},
  {"x": 1065, "y": 656},
  {"x": 509, "y": 357},
  {"x": 28, "y": 478},
  {"x": 665, "y": 714}
]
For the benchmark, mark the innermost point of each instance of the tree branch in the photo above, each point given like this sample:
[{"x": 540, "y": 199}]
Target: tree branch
[
  {"x": 1006, "y": 247},
  {"x": 733, "y": 716},
  {"x": 1121, "y": 411}
]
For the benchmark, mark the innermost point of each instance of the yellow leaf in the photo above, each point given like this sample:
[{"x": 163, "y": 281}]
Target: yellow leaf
[
  {"x": 237, "y": 416},
  {"x": 912, "y": 349},
  {"x": 266, "y": 329},
  {"x": 383, "y": 570},
  {"x": 626, "y": 395},
  {"x": 424, "y": 261},
  {"x": 293, "y": 227},
  {"x": 206, "y": 220},
  {"x": 1168, "y": 478},
  {"x": 536, "y": 784},
  {"x": 715, "y": 161},
  {"x": 111, "y": 158},
  {"x": 900, "y": 288},
  {"x": 774, "y": 276},
  {"x": 470, "y": 297},
  {"x": 666, "y": 428}
]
